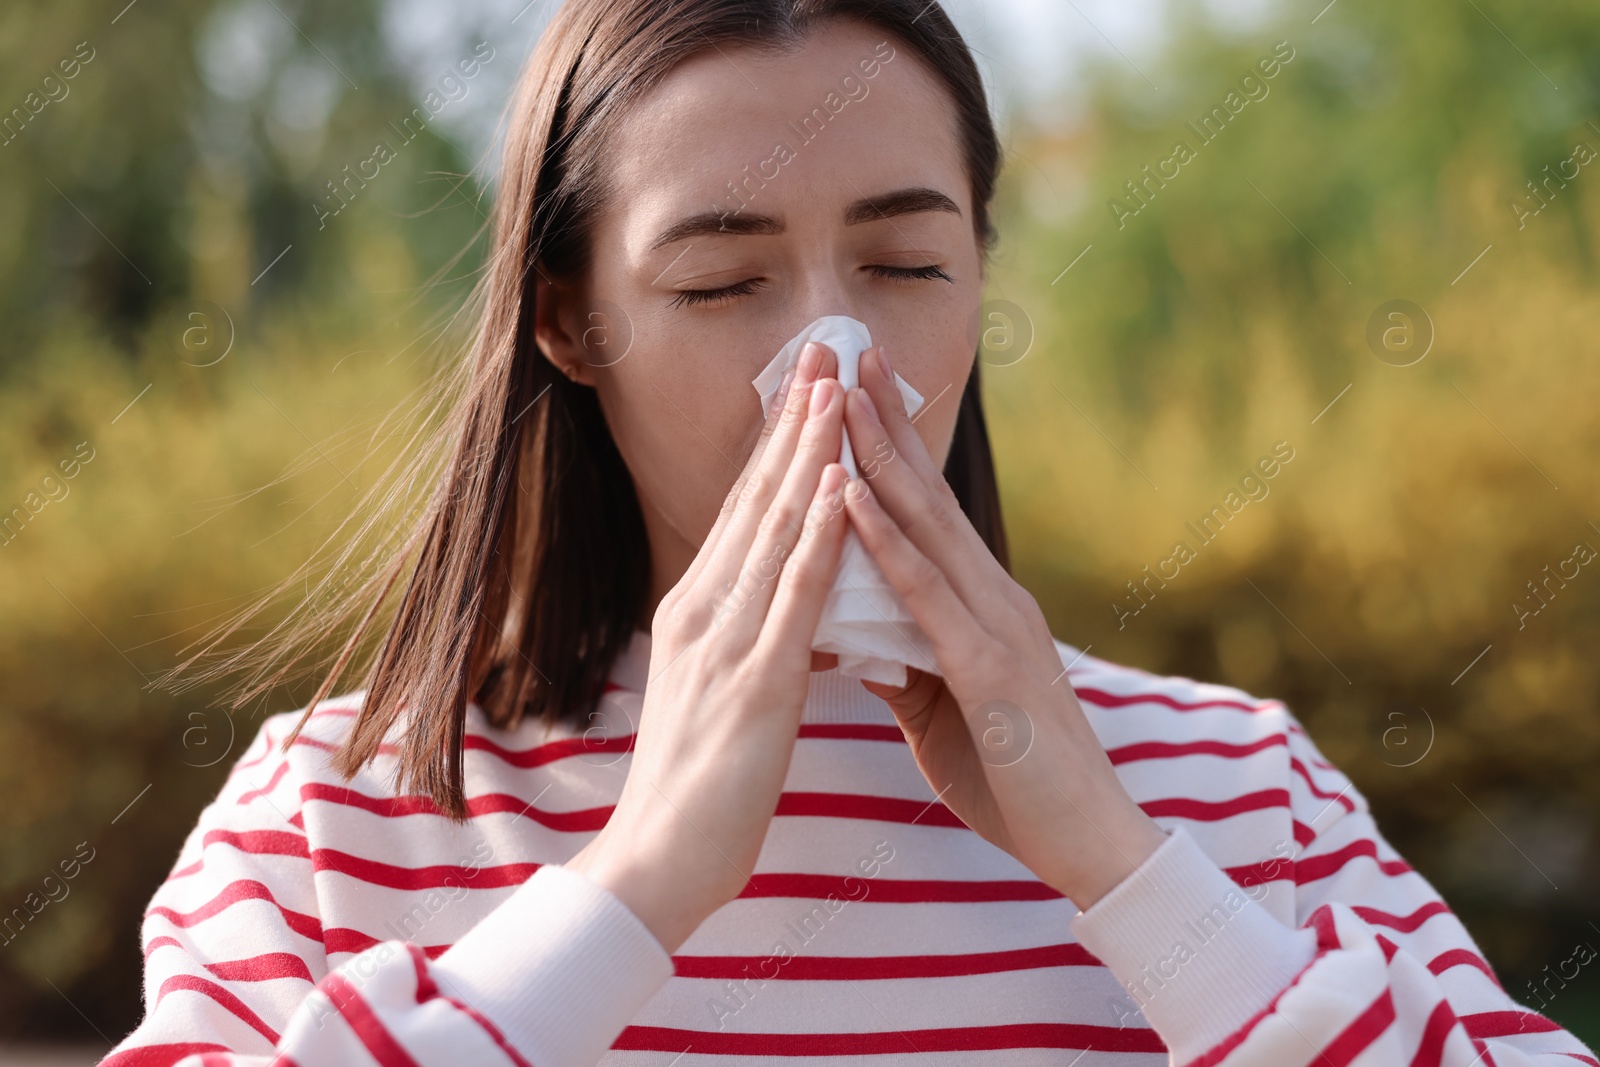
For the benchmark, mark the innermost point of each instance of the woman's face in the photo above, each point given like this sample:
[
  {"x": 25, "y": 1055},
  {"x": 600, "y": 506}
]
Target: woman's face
[{"x": 716, "y": 187}]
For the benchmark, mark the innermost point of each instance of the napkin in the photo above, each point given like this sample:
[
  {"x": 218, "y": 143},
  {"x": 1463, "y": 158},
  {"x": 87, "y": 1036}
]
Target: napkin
[{"x": 863, "y": 620}]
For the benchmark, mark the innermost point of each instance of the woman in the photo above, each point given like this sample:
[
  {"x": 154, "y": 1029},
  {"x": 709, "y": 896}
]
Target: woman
[{"x": 578, "y": 813}]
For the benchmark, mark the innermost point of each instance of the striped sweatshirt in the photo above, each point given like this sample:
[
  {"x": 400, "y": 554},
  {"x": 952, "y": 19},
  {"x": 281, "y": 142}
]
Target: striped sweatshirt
[{"x": 309, "y": 920}]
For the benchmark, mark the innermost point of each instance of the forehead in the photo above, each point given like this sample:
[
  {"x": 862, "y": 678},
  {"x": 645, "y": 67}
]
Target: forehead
[{"x": 735, "y": 117}]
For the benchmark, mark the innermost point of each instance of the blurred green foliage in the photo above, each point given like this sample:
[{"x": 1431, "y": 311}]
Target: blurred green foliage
[
  {"x": 1233, "y": 309},
  {"x": 162, "y": 209}
]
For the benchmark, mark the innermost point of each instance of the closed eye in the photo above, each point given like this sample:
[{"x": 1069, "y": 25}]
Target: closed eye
[
  {"x": 692, "y": 297},
  {"x": 927, "y": 273},
  {"x": 702, "y": 297}
]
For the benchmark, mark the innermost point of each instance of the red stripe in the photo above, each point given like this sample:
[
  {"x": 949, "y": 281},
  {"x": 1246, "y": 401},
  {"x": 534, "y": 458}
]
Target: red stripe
[
  {"x": 817, "y": 886},
  {"x": 244, "y": 765},
  {"x": 161, "y": 942},
  {"x": 953, "y": 1039},
  {"x": 1460, "y": 957},
  {"x": 878, "y": 809},
  {"x": 867, "y": 968},
  {"x": 1486, "y": 1024},
  {"x": 344, "y": 939},
  {"x": 1174, "y": 749},
  {"x": 312, "y": 742},
  {"x": 348, "y": 711},
  {"x": 1430, "y": 1050},
  {"x": 852, "y": 731},
  {"x": 1406, "y": 924},
  {"x": 827, "y": 805},
  {"x": 263, "y": 968},
  {"x": 1215, "y": 810},
  {"x": 1103, "y": 699},
  {"x": 255, "y": 842},
  {"x": 205, "y": 987},
  {"x": 551, "y": 751},
  {"x": 1254, "y": 874},
  {"x": 1303, "y": 834},
  {"x": 272, "y": 783},
  {"x": 583, "y": 821},
  {"x": 566, "y": 748},
  {"x": 159, "y": 1055},
  {"x": 427, "y": 990},
  {"x": 306, "y": 926},
  {"x": 1317, "y": 791},
  {"x": 259, "y": 842},
  {"x": 1327, "y": 940},
  {"x": 1314, "y": 867},
  {"x": 1224, "y": 1048},
  {"x": 1361, "y": 1033},
  {"x": 395, "y": 877},
  {"x": 1327, "y": 928},
  {"x": 895, "y": 891},
  {"x": 365, "y": 1022}
]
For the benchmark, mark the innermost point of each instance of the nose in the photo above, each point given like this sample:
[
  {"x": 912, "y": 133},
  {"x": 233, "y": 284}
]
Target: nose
[{"x": 824, "y": 289}]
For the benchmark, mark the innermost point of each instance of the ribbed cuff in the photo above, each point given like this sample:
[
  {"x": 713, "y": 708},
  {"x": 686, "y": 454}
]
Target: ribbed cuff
[
  {"x": 560, "y": 967},
  {"x": 1198, "y": 955}
]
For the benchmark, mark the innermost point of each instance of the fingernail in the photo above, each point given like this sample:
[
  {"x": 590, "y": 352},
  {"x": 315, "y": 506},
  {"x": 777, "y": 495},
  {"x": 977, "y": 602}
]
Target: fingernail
[
  {"x": 783, "y": 390},
  {"x": 821, "y": 393},
  {"x": 883, "y": 364},
  {"x": 810, "y": 360}
]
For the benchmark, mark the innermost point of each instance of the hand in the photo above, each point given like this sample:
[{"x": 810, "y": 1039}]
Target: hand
[
  {"x": 1057, "y": 804},
  {"x": 730, "y": 663}
]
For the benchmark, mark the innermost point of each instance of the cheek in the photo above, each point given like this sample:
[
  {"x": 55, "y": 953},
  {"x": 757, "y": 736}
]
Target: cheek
[
  {"x": 934, "y": 352},
  {"x": 683, "y": 431},
  {"x": 937, "y": 428}
]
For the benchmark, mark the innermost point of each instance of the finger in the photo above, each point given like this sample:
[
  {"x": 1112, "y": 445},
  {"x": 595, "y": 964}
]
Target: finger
[
  {"x": 951, "y": 627},
  {"x": 756, "y": 482},
  {"x": 895, "y": 435},
  {"x": 911, "y": 701},
  {"x": 789, "y": 411},
  {"x": 807, "y": 576},
  {"x": 928, "y": 513},
  {"x": 824, "y": 661},
  {"x": 770, "y": 457},
  {"x": 778, "y": 409},
  {"x": 782, "y": 525},
  {"x": 892, "y": 411},
  {"x": 785, "y": 416}
]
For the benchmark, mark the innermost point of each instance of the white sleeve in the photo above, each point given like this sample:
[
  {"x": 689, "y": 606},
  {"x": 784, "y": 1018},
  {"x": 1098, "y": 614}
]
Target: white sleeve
[
  {"x": 1379, "y": 971},
  {"x": 236, "y": 972}
]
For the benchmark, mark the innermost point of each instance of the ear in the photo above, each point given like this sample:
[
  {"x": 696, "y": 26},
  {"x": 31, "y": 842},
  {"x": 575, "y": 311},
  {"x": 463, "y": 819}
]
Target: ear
[{"x": 558, "y": 327}]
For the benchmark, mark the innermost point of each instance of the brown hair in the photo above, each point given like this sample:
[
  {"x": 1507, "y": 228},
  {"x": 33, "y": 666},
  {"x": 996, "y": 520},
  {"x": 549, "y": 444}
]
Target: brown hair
[{"x": 532, "y": 564}]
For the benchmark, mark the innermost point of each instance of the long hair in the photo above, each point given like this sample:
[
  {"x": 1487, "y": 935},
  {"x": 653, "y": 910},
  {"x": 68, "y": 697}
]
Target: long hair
[{"x": 527, "y": 571}]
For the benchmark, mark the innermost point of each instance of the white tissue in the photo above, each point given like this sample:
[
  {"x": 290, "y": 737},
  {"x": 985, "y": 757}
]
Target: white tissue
[{"x": 864, "y": 620}]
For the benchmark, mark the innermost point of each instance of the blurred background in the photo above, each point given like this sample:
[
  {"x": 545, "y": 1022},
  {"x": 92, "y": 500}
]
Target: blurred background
[{"x": 1380, "y": 260}]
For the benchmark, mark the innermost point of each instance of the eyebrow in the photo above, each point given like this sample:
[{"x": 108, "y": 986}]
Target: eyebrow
[{"x": 868, "y": 209}]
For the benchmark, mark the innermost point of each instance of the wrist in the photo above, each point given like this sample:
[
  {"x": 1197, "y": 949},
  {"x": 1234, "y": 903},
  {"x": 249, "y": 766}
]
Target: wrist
[
  {"x": 1104, "y": 849},
  {"x": 670, "y": 906},
  {"x": 1132, "y": 849}
]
